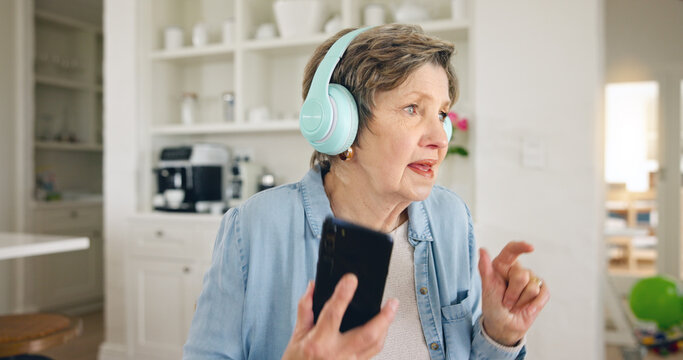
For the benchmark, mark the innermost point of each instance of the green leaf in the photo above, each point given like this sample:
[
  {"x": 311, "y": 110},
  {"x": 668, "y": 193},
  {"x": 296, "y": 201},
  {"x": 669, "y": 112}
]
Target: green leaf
[{"x": 458, "y": 150}]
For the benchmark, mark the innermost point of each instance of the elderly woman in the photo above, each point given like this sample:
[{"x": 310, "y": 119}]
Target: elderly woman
[{"x": 266, "y": 250}]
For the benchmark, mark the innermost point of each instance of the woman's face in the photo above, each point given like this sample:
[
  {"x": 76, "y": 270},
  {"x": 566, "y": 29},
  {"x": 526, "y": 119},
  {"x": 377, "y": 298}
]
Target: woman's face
[{"x": 406, "y": 142}]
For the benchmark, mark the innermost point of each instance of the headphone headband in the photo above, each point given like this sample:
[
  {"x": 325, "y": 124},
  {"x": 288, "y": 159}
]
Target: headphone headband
[{"x": 323, "y": 73}]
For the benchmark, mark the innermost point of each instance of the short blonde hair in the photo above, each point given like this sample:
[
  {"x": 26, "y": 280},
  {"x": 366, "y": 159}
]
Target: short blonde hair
[{"x": 380, "y": 59}]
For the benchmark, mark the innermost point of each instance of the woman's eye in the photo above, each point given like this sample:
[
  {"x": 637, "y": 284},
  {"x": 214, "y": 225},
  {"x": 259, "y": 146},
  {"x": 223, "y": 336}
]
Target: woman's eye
[
  {"x": 442, "y": 116},
  {"x": 411, "y": 109}
]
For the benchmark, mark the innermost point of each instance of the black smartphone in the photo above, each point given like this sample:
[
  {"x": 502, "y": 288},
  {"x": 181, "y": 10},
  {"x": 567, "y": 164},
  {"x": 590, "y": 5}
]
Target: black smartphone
[{"x": 349, "y": 248}]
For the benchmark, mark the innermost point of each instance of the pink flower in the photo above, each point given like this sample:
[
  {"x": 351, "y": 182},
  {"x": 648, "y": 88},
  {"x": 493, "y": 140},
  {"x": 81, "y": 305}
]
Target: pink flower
[
  {"x": 453, "y": 116},
  {"x": 460, "y": 123}
]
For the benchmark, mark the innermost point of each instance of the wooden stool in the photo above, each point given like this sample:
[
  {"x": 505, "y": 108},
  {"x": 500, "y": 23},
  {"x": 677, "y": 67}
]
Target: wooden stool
[{"x": 31, "y": 333}]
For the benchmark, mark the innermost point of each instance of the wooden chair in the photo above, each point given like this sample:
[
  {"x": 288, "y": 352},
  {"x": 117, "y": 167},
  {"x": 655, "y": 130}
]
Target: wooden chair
[{"x": 32, "y": 333}]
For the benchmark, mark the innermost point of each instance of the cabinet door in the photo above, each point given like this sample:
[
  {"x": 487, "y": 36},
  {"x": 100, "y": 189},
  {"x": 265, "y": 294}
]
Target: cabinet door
[
  {"x": 161, "y": 238},
  {"x": 63, "y": 280},
  {"x": 47, "y": 221},
  {"x": 163, "y": 300},
  {"x": 172, "y": 239}
]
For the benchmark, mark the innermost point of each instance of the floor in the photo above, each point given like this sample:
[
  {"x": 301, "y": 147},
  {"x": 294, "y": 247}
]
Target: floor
[
  {"x": 613, "y": 353},
  {"x": 84, "y": 347}
]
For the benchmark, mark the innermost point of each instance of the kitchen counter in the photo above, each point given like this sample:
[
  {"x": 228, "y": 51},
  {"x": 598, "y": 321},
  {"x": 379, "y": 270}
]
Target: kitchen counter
[{"x": 17, "y": 245}]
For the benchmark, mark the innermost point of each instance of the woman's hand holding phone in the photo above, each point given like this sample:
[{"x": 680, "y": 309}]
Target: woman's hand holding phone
[{"x": 323, "y": 340}]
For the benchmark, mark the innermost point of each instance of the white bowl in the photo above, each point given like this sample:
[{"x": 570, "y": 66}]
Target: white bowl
[{"x": 298, "y": 18}]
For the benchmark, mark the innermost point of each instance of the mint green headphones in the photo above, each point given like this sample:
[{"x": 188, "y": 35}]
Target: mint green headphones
[{"x": 329, "y": 116}]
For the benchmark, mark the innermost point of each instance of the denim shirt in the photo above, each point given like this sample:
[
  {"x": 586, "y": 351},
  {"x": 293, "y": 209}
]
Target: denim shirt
[{"x": 266, "y": 251}]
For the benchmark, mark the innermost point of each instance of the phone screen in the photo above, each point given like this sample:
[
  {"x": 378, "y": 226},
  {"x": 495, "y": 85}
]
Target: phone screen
[{"x": 349, "y": 248}]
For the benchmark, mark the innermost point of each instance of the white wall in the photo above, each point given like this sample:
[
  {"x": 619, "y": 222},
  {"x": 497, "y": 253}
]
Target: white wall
[
  {"x": 538, "y": 74},
  {"x": 7, "y": 114},
  {"x": 642, "y": 38},
  {"x": 120, "y": 131},
  {"x": 7, "y": 143}
]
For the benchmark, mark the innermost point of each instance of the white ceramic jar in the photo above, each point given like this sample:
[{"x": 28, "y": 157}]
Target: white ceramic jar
[
  {"x": 298, "y": 18},
  {"x": 200, "y": 35},
  {"x": 188, "y": 108},
  {"x": 173, "y": 37}
]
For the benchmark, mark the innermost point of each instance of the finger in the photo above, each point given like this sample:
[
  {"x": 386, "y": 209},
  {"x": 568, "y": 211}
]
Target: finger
[
  {"x": 532, "y": 310},
  {"x": 531, "y": 291},
  {"x": 333, "y": 311},
  {"x": 367, "y": 340},
  {"x": 304, "y": 313},
  {"x": 518, "y": 279},
  {"x": 509, "y": 255},
  {"x": 485, "y": 268}
]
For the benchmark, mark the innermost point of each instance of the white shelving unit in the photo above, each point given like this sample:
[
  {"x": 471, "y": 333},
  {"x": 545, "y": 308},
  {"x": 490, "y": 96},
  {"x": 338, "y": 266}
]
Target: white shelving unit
[
  {"x": 63, "y": 78},
  {"x": 260, "y": 72},
  {"x": 67, "y": 102}
]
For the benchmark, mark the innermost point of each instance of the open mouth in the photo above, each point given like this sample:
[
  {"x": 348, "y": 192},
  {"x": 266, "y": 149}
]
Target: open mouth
[{"x": 423, "y": 167}]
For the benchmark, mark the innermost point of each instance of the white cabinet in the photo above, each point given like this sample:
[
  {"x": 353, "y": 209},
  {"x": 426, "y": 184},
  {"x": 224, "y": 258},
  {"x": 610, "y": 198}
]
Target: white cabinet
[
  {"x": 166, "y": 258},
  {"x": 72, "y": 280},
  {"x": 164, "y": 295}
]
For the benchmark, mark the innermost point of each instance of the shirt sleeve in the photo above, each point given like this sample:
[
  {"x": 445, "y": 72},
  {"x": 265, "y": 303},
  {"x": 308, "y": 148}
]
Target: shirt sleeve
[
  {"x": 513, "y": 349},
  {"x": 483, "y": 347},
  {"x": 216, "y": 330}
]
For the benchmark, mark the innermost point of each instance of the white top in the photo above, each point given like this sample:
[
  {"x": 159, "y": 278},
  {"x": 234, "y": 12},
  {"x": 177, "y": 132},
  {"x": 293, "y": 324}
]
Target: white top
[
  {"x": 405, "y": 339},
  {"x": 16, "y": 245}
]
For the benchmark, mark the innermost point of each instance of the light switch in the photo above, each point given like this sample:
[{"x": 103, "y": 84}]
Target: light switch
[{"x": 533, "y": 153}]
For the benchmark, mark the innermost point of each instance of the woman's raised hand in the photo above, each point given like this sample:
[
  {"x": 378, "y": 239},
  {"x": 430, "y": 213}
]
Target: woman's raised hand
[
  {"x": 323, "y": 339},
  {"x": 512, "y": 296}
]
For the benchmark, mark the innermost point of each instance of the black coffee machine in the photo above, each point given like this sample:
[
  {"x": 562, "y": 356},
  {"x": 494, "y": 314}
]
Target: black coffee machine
[{"x": 191, "y": 178}]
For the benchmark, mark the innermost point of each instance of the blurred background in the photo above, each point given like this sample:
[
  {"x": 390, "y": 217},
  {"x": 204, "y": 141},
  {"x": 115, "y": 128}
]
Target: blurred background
[{"x": 137, "y": 124}]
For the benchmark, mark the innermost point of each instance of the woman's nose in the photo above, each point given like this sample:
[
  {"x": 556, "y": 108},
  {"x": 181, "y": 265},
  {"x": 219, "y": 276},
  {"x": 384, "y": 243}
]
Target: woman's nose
[{"x": 436, "y": 135}]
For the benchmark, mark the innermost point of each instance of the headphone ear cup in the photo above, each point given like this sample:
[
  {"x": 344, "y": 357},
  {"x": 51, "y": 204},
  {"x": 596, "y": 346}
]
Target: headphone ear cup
[
  {"x": 448, "y": 128},
  {"x": 345, "y": 112}
]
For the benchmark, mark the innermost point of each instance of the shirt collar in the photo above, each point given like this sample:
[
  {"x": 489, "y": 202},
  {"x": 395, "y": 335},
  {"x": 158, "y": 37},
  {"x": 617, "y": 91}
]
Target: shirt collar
[{"x": 317, "y": 208}]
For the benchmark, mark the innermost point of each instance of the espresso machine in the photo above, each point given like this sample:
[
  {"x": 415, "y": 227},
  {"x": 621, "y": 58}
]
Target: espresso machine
[
  {"x": 191, "y": 178},
  {"x": 245, "y": 180}
]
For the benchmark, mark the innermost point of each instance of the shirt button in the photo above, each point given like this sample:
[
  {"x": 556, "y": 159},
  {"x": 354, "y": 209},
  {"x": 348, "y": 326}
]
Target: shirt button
[
  {"x": 434, "y": 346},
  {"x": 423, "y": 290}
]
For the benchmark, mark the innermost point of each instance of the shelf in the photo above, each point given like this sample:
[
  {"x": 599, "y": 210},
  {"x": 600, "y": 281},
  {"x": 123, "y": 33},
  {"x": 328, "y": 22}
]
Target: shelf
[
  {"x": 627, "y": 232},
  {"x": 209, "y": 52},
  {"x": 284, "y": 45},
  {"x": 62, "y": 204},
  {"x": 225, "y": 128},
  {"x": 279, "y": 45},
  {"x": 66, "y": 83},
  {"x": 63, "y": 146},
  {"x": 65, "y": 21}
]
